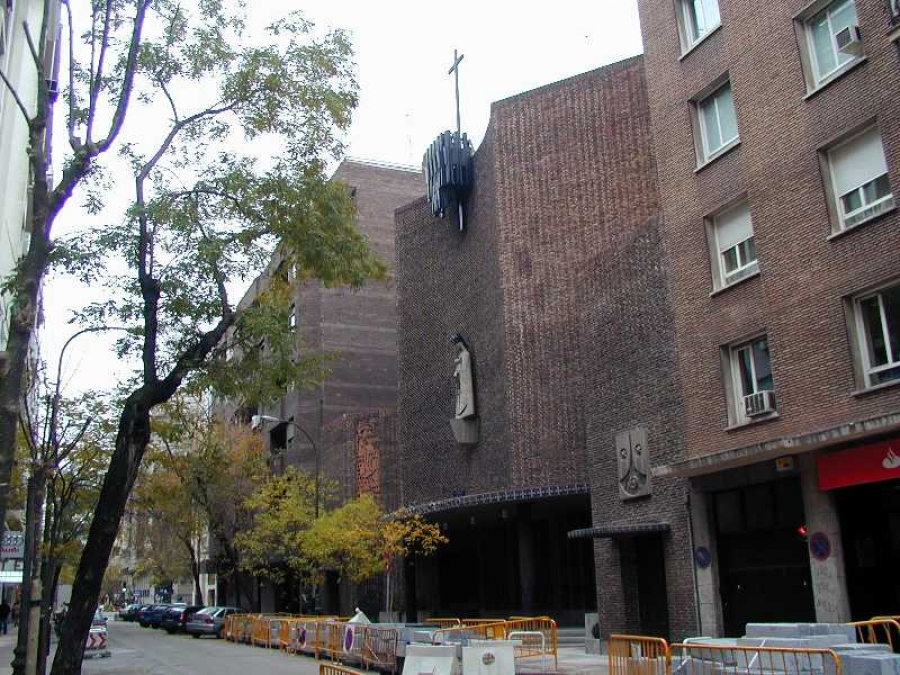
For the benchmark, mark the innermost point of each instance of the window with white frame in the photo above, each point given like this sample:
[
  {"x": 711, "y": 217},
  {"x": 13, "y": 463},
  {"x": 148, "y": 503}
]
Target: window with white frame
[
  {"x": 717, "y": 122},
  {"x": 859, "y": 177},
  {"x": 751, "y": 378},
  {"x": 734, "y": 245},
  {"x": 696, "y": 19},
  {"x": 878, "y": 326},
  {"x": 832, "y": 40}
]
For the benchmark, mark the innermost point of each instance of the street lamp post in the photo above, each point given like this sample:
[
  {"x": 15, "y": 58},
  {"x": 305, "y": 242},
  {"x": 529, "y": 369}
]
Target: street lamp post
[{"x": 256, "y": 422}]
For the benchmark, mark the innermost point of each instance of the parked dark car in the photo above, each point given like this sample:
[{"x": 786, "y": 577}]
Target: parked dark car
[
  {"x": 141, "y": 615},
  {"x": 210, "y": 621},
  {"x": 153, "y": 617},
  {"x": 174, "y": 618},
  {"x": 130, "y": 612}
]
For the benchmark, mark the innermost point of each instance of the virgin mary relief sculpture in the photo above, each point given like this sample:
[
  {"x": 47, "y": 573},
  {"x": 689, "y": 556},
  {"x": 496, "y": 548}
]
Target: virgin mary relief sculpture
[{"x": 464, "y": 403}]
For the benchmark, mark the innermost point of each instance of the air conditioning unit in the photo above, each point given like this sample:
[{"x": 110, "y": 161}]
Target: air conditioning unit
[
  {"x": 760, "y": 403},
  {"x": 849, "y": 40}
]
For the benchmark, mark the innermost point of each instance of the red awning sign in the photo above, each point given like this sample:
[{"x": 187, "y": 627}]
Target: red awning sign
[{"x": 871, "y": 463}]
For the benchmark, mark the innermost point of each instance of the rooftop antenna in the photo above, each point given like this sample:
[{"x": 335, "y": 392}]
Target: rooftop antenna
[{"x": 454, "y": 70}]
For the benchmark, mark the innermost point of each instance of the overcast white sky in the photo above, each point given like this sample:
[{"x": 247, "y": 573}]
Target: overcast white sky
[{"x": 403, "y": 50}]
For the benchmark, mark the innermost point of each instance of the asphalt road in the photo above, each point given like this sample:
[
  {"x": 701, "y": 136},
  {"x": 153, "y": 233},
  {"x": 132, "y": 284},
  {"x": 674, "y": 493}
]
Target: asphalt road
[{"x": 144, "y": 651}]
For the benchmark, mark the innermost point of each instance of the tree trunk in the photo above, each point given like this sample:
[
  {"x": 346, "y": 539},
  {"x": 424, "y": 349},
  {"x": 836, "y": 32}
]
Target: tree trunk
[
  {"x": 50, "y": 578},
  {"x": 131, "y": 441},
  {"x": 195, "y": 572},
  {"x": 18, "y": 352}
]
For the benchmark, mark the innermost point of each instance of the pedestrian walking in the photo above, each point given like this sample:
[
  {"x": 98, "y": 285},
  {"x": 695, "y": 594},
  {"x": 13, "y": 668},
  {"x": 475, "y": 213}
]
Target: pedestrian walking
[{"x": 5, "y": 609}]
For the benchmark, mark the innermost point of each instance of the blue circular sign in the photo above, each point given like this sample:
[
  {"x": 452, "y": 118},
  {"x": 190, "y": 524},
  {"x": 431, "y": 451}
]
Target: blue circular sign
[
  {"x": 702, "y": 557},
  {"x": 820, "y": 546}
]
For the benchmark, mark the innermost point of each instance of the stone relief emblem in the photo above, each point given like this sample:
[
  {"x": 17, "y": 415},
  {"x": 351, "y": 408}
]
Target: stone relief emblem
[{"x": 634, "y": 463}]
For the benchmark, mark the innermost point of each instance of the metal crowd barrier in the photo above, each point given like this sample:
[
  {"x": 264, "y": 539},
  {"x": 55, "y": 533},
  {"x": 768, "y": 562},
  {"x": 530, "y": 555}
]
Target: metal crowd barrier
[
  {"x": 378, "y": 648},
  {"x": 329, "y": 637},
  {"x": 530, "y": 628},
  {"x": 707, "y": 659},
  {"x": 879, "y": 630},
  {"x": 496, "y": 630},
  {"x": 442, "y": 622},
  {"x": 239, "y": 627},
  {"x": 331, "y": 669},
  {"x": 638, "y": 655}
]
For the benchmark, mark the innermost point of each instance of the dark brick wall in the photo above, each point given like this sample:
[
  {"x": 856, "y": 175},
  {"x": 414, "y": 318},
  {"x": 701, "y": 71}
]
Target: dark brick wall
[
  {"x": 560, "y": 286},
  {"x": 448, "y": 283},
  {"x": 630, "y": 381},
  {"x": 576, "y": 170},
  {"x": 804, "y": 275},
  {"x": 555, "y": 162}
]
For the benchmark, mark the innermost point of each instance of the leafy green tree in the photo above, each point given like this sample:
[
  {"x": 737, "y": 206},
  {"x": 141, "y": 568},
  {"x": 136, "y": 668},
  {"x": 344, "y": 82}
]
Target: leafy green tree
[
  {"x": 175, "y": 523},
  {"x": 224, "y": 215},
  {"x": 213, "y": 467}
]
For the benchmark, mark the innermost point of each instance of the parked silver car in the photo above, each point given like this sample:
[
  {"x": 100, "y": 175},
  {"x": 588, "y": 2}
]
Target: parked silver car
[{"x": 210, "y": 621}]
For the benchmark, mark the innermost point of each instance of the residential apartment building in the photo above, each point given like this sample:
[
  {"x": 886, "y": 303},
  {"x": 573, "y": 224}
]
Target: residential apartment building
[
  {"x": 17, "y": 64},
  {"x": 777, "y": 137}
]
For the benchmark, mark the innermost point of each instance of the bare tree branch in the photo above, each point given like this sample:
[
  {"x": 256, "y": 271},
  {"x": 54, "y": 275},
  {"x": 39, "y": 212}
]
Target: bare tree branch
[
  {"x": 73, "y": 94},
  {"x": 97, "y": 80},
  {"x": 165, "y": 90},
  {"x": 15, "y": 95},
  {"x": 128, "y": 83},
  {"x": 31, "y": 48}
]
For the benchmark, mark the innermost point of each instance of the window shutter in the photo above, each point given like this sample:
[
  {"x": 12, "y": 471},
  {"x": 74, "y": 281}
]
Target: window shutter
[
  {"x": 733, "y": 226},
  {"x": 857, "y": 161}
]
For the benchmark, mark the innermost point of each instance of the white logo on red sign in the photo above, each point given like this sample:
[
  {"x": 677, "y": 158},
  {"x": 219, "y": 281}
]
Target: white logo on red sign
[{"x": 891, "y": 460}]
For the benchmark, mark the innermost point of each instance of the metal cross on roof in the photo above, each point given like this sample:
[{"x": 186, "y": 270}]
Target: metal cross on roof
[{"x": 454, "y": 70}]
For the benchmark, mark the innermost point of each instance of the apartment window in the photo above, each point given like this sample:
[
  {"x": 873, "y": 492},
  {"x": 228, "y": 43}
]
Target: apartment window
[
  {"x": 751, "y": 379},
  {"x": 717, "y": 123},
  {"x": 734, "y": 247},
  {"x": 859, "y": 178},
  {"x": 696, "y": 20},
  {"x": 878, "y": 326},
  {"x": 832, "y": 40}
]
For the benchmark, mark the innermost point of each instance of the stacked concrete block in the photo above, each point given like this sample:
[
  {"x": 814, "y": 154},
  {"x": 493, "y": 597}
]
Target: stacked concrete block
[{"x": 856, "y": 658}]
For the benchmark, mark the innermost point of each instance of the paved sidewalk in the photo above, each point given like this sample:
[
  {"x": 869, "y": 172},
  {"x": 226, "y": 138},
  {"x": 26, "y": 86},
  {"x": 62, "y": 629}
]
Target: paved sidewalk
[{"x": 571, "y": 661}]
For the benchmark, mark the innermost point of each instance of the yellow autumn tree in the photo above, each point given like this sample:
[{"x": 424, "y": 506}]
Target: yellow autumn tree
[{"x": 356, "y": 539}]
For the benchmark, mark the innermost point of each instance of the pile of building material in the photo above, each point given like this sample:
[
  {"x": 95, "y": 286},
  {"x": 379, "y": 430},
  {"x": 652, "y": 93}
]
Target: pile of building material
[{"x": 759, "y": 652}]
